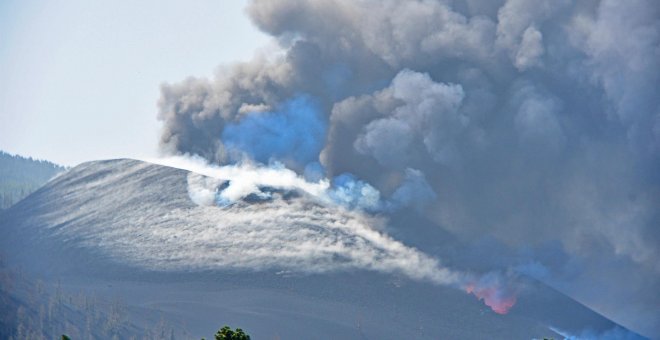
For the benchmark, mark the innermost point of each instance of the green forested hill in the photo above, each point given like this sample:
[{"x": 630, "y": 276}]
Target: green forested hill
[{"x": 19, "y": 176}]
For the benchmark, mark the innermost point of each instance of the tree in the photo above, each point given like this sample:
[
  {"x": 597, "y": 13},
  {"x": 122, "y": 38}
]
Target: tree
[{"x": 225, "y": 333}]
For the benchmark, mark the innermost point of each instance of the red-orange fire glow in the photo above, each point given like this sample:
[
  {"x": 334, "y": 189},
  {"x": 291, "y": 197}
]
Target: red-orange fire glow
[{"x": 498, "y": 299}]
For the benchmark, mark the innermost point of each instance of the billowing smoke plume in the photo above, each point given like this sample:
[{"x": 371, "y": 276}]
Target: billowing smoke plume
[
  {"x": 293, "y": 133},
  {"x": 529, "y": 129}
]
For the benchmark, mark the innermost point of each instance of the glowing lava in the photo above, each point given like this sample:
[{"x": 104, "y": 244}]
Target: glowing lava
[{"x": 499, "y": 299}]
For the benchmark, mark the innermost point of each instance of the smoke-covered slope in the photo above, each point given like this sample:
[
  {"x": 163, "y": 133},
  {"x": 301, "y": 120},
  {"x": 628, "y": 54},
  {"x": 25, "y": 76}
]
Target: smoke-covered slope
[{"x": 286, "y": 265}]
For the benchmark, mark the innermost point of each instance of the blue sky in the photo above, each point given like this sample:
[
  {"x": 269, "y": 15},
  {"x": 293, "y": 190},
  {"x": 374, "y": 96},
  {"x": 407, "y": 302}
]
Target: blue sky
[{"x": 79, "y": 80}]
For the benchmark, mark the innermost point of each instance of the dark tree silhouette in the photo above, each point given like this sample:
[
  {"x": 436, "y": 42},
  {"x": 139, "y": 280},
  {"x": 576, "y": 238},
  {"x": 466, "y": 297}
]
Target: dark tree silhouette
[{"x": 225, "y": 333}]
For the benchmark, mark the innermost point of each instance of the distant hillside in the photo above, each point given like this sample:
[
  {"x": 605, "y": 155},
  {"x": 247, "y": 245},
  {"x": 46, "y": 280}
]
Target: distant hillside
[{"x": 20, "y": 176}]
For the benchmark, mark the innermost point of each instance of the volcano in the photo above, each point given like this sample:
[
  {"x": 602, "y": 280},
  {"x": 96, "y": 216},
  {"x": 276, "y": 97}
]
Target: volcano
[{"x": 279, "y": 264}]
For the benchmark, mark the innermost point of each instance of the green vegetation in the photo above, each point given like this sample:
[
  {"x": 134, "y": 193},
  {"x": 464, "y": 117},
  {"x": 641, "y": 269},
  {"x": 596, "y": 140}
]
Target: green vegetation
[
  {"x": 225, "y": 333},
  {"x": 20, "y": 176}
]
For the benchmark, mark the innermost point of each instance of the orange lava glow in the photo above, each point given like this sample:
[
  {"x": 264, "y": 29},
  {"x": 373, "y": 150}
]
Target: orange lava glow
[{"x": 497, "y": 299}]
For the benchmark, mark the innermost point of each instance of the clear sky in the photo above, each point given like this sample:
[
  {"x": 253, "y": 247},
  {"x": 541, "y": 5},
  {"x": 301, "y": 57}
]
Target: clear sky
[{"x": 79, "y": 80}]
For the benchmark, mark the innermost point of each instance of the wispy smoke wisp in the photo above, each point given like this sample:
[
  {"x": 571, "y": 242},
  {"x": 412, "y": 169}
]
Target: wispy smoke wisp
[{"x": 290, "y": 223}]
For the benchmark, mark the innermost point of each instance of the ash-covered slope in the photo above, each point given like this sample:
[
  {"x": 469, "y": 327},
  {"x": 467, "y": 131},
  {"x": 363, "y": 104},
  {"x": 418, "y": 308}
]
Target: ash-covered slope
[{"x": 288, "y": 265}]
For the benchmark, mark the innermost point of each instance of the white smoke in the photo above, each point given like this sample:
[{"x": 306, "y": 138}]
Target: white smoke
[
  {"x": 323, "y": 230},
  {"x": 312, "y": 233}
]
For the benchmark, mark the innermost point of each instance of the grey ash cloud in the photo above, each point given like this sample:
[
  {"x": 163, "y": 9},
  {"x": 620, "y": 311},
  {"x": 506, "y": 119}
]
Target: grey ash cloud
[{"x": 534, "y": 124}]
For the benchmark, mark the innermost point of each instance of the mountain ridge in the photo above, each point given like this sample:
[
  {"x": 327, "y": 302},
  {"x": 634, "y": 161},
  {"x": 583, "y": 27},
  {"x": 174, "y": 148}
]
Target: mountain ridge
[{"x": 154, "y": 262}]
